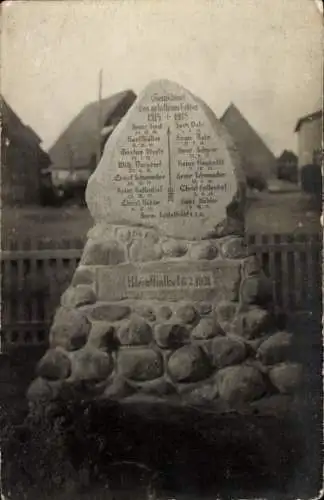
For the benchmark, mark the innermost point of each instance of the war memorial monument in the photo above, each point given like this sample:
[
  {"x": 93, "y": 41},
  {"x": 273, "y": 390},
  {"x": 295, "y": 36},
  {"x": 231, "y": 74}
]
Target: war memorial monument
[{"x": 168, "y": 314}]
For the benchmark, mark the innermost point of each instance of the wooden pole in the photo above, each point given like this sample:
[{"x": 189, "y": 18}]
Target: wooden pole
[{"x": 99, "y": 116}]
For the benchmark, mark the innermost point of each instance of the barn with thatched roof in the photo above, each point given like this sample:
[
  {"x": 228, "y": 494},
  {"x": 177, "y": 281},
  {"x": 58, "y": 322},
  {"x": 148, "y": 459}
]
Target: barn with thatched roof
[
  {"x": 24, "y": 164},
  {"x": 258, "y": 160},
  {"x": 74, "y": 154}
]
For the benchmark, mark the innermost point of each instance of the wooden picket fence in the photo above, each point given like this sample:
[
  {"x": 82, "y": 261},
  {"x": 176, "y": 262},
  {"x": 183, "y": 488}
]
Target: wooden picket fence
[
  {"x": 293, "y": 262},
  {"x": 35, "y": 274}
]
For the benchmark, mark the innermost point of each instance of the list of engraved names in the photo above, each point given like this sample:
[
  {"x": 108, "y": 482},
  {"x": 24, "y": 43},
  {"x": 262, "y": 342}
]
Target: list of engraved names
[{"x": 169, "y": 165}]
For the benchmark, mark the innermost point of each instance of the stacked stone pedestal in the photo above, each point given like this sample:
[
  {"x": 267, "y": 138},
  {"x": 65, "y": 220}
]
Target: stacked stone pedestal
[
  {"x": 153, "y": 317},
  {"x": 166, "y": 331}
]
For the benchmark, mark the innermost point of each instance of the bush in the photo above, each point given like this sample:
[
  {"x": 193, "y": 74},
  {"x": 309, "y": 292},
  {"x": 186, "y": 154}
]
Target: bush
[
  {"x": 66, "y": 449},
  {"x": 75, "y": 447},
  {"x": 311, "y": 179},
  {"x": 34, "y": 454},
  {"x": 311, "y": 183}
]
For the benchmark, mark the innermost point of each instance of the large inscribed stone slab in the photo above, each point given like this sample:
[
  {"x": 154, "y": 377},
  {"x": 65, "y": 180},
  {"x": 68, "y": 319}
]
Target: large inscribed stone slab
[{"x": 169, "y": 164}]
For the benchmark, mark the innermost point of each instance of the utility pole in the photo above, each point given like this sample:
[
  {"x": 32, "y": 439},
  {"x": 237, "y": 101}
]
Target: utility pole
[
  {"x": 71, "y": 162},
  {"x": 99, "y": 117}
]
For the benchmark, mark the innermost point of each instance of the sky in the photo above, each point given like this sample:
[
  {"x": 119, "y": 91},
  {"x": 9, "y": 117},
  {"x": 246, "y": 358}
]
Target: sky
[{"x": 264, "y": 56}]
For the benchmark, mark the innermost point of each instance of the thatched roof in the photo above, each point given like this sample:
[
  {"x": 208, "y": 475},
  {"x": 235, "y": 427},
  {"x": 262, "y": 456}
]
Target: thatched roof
[
  {"x": 24, "y": 137},
  {"x": 13, "y": 127},
  {"x": 258, "y": 160},
  {"x": 77, "y": 145}
]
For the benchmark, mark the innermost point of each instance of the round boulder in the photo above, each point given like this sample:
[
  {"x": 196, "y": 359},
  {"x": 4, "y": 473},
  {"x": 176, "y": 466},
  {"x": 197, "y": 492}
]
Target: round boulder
[
  {"x": 253, "y": 323},
  {"x": 276, "y": 348},
  {"x": 77, "y": 296},
  {"x": 102, "y": 336},
  {"x": 139, "y": 364},
  {"x": 234, "y": 248},
  {"x": 135, "y": 331},
  {"x": 174, "y": 248},
  {"x": 203, "y": 250},
  {"x": 54, "y": 365},
  {"x": 225, "y": 351},
  {"x": 254, "y": 344},
  {"x": 164, "y": 312},
  {"x": 91, "y": 364},
  {"x": 231, "y": 226},
  {"x": 146, "y": 312},
  {"x": 123, "y": 234},
  {"x": 202, "y": 393},
  {"x": 109, "y": 312},
  {"x": 240, "y": 384},
  {"x": 103, "y": 253},
  {"x": 225, "y": 311},
  {"x": 287, "y": 377},
  {"x": 206, "y": 328},
  {"x": 70, "y": 329},
  {"x": 145, "y": 250},
  {"x": 256, "y": 290},
  {"x": 170, "y": 335},
  {"x": 251, "y": 265},
  {"x": 188, "y": 364},
  {"x": 186, "y": 314},
  {"x": 83, "y": 275}
]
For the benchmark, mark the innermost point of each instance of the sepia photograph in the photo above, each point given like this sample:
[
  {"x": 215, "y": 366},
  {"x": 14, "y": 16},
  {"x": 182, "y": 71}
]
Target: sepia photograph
[{"x": 161, "y": 249}]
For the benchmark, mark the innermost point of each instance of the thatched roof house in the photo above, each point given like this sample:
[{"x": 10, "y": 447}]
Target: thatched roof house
[
  {"x": 76, "y": 149},
  {"x": 259, "y": 162},
  {"x": 23, "y": 162}
]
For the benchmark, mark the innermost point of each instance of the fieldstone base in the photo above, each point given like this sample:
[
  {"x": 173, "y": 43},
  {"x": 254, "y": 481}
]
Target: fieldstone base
[
  {"x": 184, "y": 321},
  {"x": 175, "y": 343}
]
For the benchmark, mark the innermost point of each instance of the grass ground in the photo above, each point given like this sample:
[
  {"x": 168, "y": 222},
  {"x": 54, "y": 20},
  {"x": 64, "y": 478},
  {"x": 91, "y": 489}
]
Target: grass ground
[
  {"x": 189, "y": 451},
  {"x": 282, "y": 213},
  {"x": 266, "y": 213},
  {"x": 45, "y": 222}
]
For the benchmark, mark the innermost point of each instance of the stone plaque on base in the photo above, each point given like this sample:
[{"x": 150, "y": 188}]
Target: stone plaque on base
[{"x": 170, "y": 281}]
